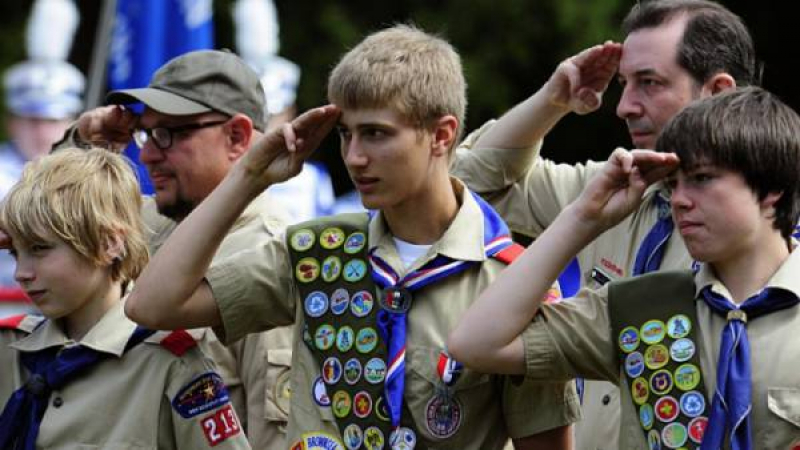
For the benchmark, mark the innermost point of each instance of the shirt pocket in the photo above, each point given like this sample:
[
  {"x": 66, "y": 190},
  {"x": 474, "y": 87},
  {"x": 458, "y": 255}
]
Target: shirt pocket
[
  {"x": 473, "y": 399},
  {"x": 278, "y": 385},
  {"x": 785, "y": 404}
]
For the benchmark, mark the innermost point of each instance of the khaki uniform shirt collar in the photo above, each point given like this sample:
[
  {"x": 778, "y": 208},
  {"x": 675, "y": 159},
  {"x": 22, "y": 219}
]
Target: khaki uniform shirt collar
[
  {"x": 785, "y": 278},
  {"x": 109, "y": 335},
  {"x": 462, "y": 241}
]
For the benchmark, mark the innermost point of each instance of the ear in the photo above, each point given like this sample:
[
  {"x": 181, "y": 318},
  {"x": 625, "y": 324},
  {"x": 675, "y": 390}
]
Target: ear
[
  {"x": 720, "y": 82},
  {"x": 114, "y": 247},
  {"x": 240, "y": 134},
  {"x": 769, "y": 200},
  {"x": 444, "y": 133}
]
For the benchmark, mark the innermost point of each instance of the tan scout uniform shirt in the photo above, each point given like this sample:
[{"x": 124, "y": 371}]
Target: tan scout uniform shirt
[
  {"x": 255, "y": 368},
  {"x": 529, "y": 192},
  {"x": 255, "y": 291},
  {"x": 574, "y": 339},
  {"x": 125, "y": 401}
]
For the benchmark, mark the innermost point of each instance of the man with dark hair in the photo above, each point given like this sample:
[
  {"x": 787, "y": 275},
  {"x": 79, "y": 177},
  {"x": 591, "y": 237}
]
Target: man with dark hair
[{"x": 675, "y": 51}]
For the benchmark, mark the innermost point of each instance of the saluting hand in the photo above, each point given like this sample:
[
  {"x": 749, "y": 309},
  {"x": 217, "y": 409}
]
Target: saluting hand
[
  {"x": 617, "y": 190},
  {"x": 579, "y": 82},
  {"x": 109, "y": 126},
  {"x": 280, "y": 153}
]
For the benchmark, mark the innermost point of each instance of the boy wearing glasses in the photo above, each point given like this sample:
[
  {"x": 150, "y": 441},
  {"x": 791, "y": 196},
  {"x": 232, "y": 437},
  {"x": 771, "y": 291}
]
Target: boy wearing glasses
[{"x": 202, "y": 112}]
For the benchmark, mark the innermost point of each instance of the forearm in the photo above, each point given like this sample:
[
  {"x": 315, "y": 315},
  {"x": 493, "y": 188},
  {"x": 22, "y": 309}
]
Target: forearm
[
  {"x": 487, "y": 337},
  {"x": 166, "y": 287}
]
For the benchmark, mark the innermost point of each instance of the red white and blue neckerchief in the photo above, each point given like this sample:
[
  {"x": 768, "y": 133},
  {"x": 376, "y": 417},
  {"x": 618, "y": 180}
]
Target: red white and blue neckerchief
[{"x": 392, "y": 325}]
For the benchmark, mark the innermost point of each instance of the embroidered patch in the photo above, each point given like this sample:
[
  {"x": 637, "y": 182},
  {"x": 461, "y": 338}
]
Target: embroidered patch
[
  {"x": 600, "y": 277},
  {"x": 361, "y": 303},
  {"x": 320, "y": 393},
  {"x": 654, "y": 440},
  {"x": 345, "y": 339},
  {"x": 204, "y": 393},
  {"x": 693, "y": 404},
  {"x": 656, "y": 356},
  {"x": 646, "y": 416},
  {"x": 362, "y": 404},
  {"x": 640, "y": 391},
  {"x": 666, "y": 409},
  {"x": 687, "y": 377},
  {"x": 331, "y": 268},
  {"x": 331, "y": 370},
  {"x": 366, "y": 340},
  {"x": 307, "y": 270},
  {"x": 375, "y": 370},
  {"x": 381, "y": 410},
  {"x": 443, "y": 416},
  {"x": 317, "y": 441},
  {"x": 653, "y": 331},
  {"x": 341, "y": 404},
  {"x": 402, "y": 438},
  {"x": 355, "y": 242},
  {"x": 331, "y": 238},
  {"x": 679, "y": 326},
  {"x": 352, "y": 371},
  {"x": 325, "y": 336},
  {"x": 302, "y": 240},
  {"x": 661, "y": 382},
  {"x": 316, "y": 304},
  {"x": 353, "y": 437},
  {"x": 220, "y": 425},
  {"x": 354, "y": 270},
  {"x": 697, "y": 428},
  {"x": 373, "y": 438},
  {"x": 634, "y": 364},
  {"x": 682, "y": 350},
  {"x": 628, "y": 339},
  {"x": 340, "y": 300}
]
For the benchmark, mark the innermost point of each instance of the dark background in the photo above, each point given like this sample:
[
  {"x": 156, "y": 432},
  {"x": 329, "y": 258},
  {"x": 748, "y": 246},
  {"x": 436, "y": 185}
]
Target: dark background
[{"x": 508, "y": 48}]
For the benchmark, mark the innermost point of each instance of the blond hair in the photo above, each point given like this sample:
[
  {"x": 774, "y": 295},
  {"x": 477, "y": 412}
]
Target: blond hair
[
  {"x": 417, "y": 74},
  {"x": 84, "y": 198}
]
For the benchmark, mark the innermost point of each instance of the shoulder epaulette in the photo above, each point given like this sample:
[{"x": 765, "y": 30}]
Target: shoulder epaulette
[
  {"x": 509, "y": 254},
  {"x": 22, "y": 322},
  {"x": 177, "y": 342}
]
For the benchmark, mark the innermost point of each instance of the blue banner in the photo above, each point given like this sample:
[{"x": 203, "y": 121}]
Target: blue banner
[{"x": 148, "y": 33}]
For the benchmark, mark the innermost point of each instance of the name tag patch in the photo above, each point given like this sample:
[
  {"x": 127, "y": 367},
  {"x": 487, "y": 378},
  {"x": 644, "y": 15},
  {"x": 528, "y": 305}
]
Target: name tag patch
[{"x": 202, "y": 394}]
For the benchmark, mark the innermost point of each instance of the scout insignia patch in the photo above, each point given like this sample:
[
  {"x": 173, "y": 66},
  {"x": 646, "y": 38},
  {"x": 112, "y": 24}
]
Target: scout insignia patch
[
  {"x": 403, "y": 438},
  {"x": 204, "y": 393},
  {"x": 317, "y": 441},
  {"x": 220, "y": 425}
]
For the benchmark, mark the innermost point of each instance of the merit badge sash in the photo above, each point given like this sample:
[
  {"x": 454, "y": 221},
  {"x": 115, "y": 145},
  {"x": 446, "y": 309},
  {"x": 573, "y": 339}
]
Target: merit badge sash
[
  {"x": 340, "y": 304},
  {"x": 656, "y": 336}
]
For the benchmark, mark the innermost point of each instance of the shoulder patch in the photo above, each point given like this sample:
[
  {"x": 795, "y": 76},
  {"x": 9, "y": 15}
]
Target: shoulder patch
[
  {"x": 204, "y": 393},
  {"x": 509, "y": 254},
  {"x": 11, "y": 323},
  {"x": 178, "y": 342}
]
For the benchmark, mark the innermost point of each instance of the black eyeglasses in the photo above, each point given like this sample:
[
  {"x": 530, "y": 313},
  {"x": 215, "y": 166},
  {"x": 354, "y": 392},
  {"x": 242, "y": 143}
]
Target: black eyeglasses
[{"x": 162, "y": 136}]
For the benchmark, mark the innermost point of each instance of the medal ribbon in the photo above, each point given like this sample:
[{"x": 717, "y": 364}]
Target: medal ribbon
[
  {"x": 392, "y": 324},
  {"x": 730, "y": 409}
]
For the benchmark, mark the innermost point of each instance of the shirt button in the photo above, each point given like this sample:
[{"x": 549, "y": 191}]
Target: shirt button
[
  {"x": 606, "y": 399},
  {"x": 57, "y": 402}
]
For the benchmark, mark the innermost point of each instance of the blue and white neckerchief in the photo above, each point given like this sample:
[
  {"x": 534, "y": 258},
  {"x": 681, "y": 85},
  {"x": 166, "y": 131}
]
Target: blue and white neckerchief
[{"x": 392, "y": 324}]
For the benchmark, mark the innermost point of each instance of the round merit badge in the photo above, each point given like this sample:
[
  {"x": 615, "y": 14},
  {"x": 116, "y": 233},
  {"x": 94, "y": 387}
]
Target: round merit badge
[
  {"x": 375, "y": 370},
  {"x": 345, "y": 339},
  {"x": 693, "y": 404},
  {"x": 646, "y": 416},
  {"x": 354, "y": 270},
  {"x": 628, "y": 339},
  {"x": 362, "y": 404},
  {"x": 316, "y": 304},
  {"x": 361, "y": 303},
  {"x": 402, "y": 438},
  {"x": 366, "y": 340},
  {"x": 634, "y": 364},
  {"x": 341, "y": 404},
  {"x": 324, "y": 337},
  {"x": 331, "y": 370},
  {"x": 373, "y": 438},
  {"x": 353, "y": 437},
  {"x": 307, "y": 270},
  {"x": 340, "y": 300},
  {"x": 320, "y": 393},
  {"x": 331, "y": 269},
  {"x": 355, "y": 242},
  {"x": 352, "y": 371},
  {"x": 679, "y": 326},
  {"x": 331, "y": 238},
  {"x": 682, "y": 350},
  {"x": 687, "y": 377},
  {"x": 639, "y": 391},
  {"x": 661, "y": 382},
  {"x": 653, "y": 331},
  {"x": 302, "y": 240},
  {"x": 443, "y": 416},
  {"x": 674, "y": 435},
  {"x": 697, "y": 429},
  {"x": 666, "y": 409},
  {"x": 656, "y": 356}
]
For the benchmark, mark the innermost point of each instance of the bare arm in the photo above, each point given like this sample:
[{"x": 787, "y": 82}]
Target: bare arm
[
  {"x": 577, "y": 85},
  {"x": 488, "y": 336},
  {"x": 171, "y": 292}
]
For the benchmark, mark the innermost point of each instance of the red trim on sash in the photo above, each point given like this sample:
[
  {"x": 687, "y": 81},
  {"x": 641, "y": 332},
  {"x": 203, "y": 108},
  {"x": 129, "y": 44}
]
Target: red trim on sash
[
  {"x": 178, "y": 342},
  {"x": 12, "y": 323},
  {"x": 509, "y": 254},
  {"x": 13, "y": 294}
]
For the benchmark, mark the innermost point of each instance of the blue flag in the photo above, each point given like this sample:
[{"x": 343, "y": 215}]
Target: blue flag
[{"x": 147, "y": 34}]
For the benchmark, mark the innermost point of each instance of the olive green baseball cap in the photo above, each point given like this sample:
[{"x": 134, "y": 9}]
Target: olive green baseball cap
[{"x": 198, "y": 82}]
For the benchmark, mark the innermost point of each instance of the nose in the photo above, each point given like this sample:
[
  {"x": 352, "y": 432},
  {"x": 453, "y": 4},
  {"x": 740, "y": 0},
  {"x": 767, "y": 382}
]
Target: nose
[
  {"x": 679, "y": 198},
  {"x": 24, "y": 273},
  {"x": 150, "y": 154},
  {"x": 353, "y": 154},
  {"x": 629, "y": 105}
]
